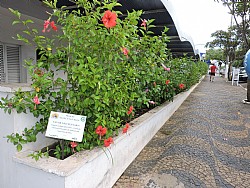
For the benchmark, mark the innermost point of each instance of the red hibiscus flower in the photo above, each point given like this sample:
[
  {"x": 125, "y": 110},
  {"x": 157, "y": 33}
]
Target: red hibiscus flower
[
  {"x": 53, "y": 26},
  {"x": 130, "y": 110},
  {"x": 144, "y": 23},
  {"x": 109, "y": 19},
  {"x": 36, "y": 100},
  {"x": 108, "y": 141},
  {"x": 45, "y": 25},
  {"x": 73, "y": 144},
  {"x": 125, "y": 129},
  {"x": 181, "y": 86},
  {"x": 167, "y": 82},
  {"x": 101, "y": 130},
  {"x": 125, "y": 51},
  {"x": 127, "y": 125}
]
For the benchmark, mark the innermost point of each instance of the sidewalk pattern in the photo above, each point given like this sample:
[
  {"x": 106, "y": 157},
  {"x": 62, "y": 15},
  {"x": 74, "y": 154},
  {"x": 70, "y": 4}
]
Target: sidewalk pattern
[{"x": 206, "y": 143}]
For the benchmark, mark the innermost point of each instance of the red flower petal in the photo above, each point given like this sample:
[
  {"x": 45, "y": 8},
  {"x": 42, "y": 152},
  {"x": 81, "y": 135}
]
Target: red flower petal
[
  {"x": 125, "y": 51},
  {"x": 124, "y": 130},
  {"x": 109, "y": 19},
  {"x": 130, "y": 110},
  {"x": 127, "y": 125},
  {"x": 45, "y": 25},
  {"x": 144, "y": 23},
  {"x": 98, "y": 130},
  {"x": 108, "y": 141},
  {"x": 103, "y": 131},
  {"x": 36, "y": 100},
  {"x": 53, "y": 26},
  {"x": 181, "y": 86},
  {"x": 73, "y": 144}
]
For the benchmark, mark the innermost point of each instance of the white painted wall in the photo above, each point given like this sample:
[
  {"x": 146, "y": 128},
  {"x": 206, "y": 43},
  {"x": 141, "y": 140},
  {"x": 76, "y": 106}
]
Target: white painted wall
[
  {"x": 7, "y": 167},
  {"x": 14, "y": 123},
  {"x": 27, "y": 53}
]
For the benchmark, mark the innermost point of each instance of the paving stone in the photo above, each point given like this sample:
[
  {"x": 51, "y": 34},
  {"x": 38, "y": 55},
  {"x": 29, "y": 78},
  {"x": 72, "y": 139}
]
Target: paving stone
[{"x": 205, "y": 144}]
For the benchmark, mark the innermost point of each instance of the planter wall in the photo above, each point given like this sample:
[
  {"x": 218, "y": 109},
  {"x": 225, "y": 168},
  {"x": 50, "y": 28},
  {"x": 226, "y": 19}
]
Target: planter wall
[
  {"x": 14, "y": 123},
  {"x": 98, "y": 168}
]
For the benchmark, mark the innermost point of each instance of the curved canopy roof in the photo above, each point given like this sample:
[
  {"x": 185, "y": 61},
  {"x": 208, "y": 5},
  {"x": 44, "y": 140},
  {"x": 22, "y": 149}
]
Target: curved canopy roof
[
  {"x": 163, "y": 14},
  {"x": 159, "y": 10}
]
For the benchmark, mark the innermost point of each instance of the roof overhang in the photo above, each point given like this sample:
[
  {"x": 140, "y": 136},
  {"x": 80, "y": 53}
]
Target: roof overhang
[{"x": 161, "y": 11}]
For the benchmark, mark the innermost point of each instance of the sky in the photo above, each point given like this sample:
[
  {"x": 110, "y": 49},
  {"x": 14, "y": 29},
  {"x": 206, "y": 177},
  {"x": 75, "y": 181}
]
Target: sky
[{"x": 201, "y": 18}]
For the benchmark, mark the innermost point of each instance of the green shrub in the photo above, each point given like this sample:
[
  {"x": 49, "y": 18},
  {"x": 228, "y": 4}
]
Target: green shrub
[{"x": 109, "y": 68}]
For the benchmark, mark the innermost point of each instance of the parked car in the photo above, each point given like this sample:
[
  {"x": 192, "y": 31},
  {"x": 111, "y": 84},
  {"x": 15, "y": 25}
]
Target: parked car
[{"x": 243, "y": 75}]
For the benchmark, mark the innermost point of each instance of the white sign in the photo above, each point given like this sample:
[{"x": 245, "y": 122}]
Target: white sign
[{"x": 66, "y": 126}]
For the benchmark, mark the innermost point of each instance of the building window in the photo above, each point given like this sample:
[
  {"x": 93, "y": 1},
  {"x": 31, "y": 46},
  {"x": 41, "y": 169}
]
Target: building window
[{"x": 10, "y": 66}]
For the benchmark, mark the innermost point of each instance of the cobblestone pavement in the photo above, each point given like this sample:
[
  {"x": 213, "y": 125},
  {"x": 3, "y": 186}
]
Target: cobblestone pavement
[{"x": 206, "y": 143}]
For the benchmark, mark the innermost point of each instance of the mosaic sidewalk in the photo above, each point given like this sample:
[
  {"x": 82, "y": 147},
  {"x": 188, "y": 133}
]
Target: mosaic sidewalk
[{"x": 206, "y": 143}]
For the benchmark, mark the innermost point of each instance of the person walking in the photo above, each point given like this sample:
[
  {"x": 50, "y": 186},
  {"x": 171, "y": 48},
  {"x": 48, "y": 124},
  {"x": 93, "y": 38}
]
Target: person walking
[{"x": 213, "y": 69}]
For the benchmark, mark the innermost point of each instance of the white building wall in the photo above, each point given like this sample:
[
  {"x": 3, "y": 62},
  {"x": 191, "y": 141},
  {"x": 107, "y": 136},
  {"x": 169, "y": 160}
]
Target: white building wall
[
  {"x": 7, "y": 167},
  {"x": 15, "y": 123},
  {"x": 27, "y": 53}
]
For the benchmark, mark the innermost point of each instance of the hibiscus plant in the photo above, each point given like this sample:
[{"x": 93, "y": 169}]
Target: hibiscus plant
[{"x": 112, "y": 68}]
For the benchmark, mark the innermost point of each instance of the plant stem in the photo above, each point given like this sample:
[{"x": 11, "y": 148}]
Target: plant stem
[{"x": 62, "y": 142}]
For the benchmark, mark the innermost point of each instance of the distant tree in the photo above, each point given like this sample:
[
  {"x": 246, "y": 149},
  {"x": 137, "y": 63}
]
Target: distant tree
[
  {"x": 228, "y": 41},
  {"x": 240, "y": 11},
  {"x": 217, "y": 54}
]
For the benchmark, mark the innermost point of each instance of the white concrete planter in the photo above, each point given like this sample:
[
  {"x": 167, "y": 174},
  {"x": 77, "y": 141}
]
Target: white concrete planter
[{"x": 100, "y": 167}]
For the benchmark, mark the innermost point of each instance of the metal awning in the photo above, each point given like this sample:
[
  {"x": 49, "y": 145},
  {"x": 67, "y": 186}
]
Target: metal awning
[
  {"x": 152, "y": 9},
  {"x": 155, "y": 9}
]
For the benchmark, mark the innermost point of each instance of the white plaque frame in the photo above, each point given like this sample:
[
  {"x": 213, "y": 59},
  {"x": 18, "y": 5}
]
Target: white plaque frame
[{"x": 66, "y": 126}]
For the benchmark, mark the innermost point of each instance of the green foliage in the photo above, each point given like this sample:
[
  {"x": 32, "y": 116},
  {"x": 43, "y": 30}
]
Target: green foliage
[
  {"x": 99, "y": 80},
  {"x": 39, "y": 154},
  {"x": 240, "y": 10},
  {"x": 217, "y": 54}
]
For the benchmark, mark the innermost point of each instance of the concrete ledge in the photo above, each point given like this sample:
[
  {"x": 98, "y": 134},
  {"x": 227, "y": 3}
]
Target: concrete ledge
[
  {"x": 13, "y": 87},
  {"x": 100, "y": 167}
]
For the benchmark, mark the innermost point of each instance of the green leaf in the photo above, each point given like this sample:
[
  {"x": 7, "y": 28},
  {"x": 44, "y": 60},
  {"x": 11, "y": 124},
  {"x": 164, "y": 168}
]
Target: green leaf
[
  {"x": 34, "y": 31},
  {"x": 33, "y": 137},
  {"x": 27, "y": 32},
  {"x": 9, "y": 111},
  {"x": 18, "y": 14},
  {"x": 72, "y": 101},
  {"x": 19, "y": 147},
  {"x": 15, "y": 22},
  {"x": 29, "y": 21}
]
